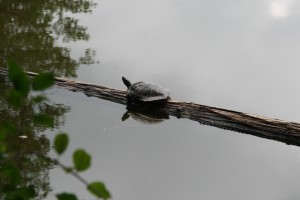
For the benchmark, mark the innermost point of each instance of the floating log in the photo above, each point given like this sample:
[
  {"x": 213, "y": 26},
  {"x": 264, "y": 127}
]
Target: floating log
[{"x": 275, "y": 129}]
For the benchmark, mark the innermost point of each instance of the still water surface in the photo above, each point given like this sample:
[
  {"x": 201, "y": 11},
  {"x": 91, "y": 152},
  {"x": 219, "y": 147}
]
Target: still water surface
[
  {"x": 237, "y": 55},
  {"x": 232, "y": 54}
]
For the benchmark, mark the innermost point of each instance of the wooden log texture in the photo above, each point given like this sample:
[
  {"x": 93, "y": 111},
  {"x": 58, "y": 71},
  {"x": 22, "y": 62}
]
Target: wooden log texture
[{"x": 275, "y": 129}]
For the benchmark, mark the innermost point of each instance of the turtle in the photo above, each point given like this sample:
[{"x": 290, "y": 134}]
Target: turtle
[{"x": 145, "y": 92}]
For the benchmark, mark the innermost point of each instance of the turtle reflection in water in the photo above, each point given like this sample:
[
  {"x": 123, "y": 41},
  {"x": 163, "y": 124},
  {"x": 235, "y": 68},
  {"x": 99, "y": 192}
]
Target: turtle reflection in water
[
  {"x": 145, "y": 116},
  {"x": 145, "y": 92}
]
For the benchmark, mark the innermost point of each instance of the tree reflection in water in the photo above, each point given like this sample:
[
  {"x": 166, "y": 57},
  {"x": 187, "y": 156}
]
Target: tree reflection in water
[
  {"x": 27, "y": 147},
  {"x": 30, "y": 29}
]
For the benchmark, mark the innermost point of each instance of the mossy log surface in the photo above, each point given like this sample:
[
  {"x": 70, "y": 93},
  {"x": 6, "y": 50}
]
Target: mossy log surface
[{"x": 275, "y": 129}]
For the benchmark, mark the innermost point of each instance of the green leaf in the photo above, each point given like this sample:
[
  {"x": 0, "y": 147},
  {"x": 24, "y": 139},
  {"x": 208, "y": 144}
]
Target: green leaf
[
  {"x": 43, "y": 81},
  {"x": 18, "y": 77},
  {"x": 81, "y": 160},
  {"x": 43, "y": 119},
  {"x": 99, "y": 190},
  {"x": 39, "y": 98},
  {"x": 61, "y": 142},
  {"x": 15, "y": 98},
  {"x": 66, "y": 196}
]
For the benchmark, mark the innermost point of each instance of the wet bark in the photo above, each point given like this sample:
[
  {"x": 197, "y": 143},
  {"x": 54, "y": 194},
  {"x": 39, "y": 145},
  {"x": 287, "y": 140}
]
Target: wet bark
[{"x": 275, "y": 129}]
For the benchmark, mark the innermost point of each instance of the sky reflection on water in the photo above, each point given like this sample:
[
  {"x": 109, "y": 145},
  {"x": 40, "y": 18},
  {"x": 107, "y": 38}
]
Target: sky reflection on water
[
  {"x": 231, "y": 54},
  {"x": 173, "y": 159}
]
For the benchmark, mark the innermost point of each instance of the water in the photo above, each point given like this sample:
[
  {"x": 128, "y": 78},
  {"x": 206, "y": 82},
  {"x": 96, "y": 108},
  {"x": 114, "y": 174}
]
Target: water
[
  {"x": 173, "y": 159},
  {"x": 230, "y": 54}
]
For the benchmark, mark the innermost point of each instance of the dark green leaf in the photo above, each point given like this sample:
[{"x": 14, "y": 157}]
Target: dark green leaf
[
  {"x": 23, "y": 193},
  {"x": 39, "y": 98},
  {"x": 81, "y": 160},
  {"x": 3, "y": 148},
  {"x": 66, "y": 196},
  {"x": 61, "y": 142},
  {"x": 8, "y": 188},
  {"x": 12, "y": 173},
  {"x": 15, "y": 98},
  {"x": 5, "y": 129},
  {"x": 18, "y": 77},
  {"x": 2, "y": 134},
  {"x": 43, "y": 81},
  {"x": 99, "y": 190},
  {"x": 43, "y": 119}
]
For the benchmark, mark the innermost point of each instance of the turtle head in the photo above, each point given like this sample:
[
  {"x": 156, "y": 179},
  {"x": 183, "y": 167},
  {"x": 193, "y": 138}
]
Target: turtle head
[{"x": 126, "y": 82}]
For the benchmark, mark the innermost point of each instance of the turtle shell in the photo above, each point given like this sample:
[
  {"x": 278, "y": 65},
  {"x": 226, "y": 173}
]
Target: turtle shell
[{"x": 147, "y": 92}]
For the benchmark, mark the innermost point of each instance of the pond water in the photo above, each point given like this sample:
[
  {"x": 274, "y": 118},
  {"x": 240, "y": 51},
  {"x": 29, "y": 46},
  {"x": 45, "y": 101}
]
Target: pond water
[{"x": 235, "y": 55}]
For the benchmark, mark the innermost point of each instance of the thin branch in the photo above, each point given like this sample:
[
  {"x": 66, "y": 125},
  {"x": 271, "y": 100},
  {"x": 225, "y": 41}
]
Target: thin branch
[{"x": 74, "y": 173}]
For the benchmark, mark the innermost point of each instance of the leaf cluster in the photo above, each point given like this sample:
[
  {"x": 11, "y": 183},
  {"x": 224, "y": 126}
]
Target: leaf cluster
[
  {"x": 11, "y": 175},
  {"x": 18, "y": 120},
  {"x": 81, "y": 162}
]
